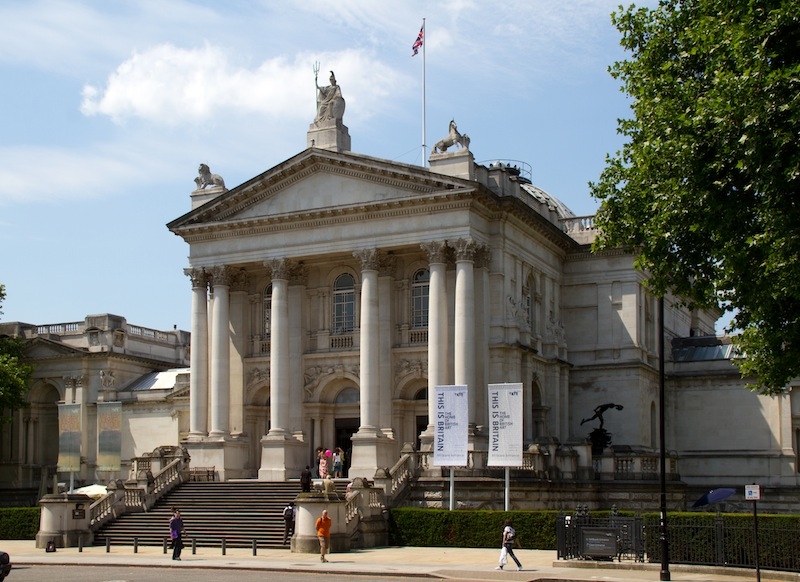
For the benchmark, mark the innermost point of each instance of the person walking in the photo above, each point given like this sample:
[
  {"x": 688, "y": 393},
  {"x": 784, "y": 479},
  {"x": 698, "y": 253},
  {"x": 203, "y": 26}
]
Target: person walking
[
  {"x": 176, "y": 533},
  {"x": 507, "y": 549},
  {"x": 323, "y": 526},
  {"x": 305, "y": 480},
  {"x": 289, "y": 516}
]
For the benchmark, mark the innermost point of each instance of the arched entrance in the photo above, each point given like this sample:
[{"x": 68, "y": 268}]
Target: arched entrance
[{"x": 346, "y": 421}]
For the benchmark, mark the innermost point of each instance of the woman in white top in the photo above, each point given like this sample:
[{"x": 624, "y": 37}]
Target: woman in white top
[{"x": 509, "y": 539}]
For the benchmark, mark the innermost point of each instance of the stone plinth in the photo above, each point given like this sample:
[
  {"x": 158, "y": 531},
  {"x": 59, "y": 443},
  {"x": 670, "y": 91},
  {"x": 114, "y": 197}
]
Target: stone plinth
[
  {"x": 309, "y": 509},
  {"x": 329, "y": 134},
  {"x": 282, "y": 457},
  {"x": 458, "y": 164},
  {"x": 227, "y": 456},
  {"x": 64, "y": 520}
]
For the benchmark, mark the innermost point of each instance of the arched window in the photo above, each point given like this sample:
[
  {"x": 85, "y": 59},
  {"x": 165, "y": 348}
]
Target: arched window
[
  {"x": 267, "y": 311},
  {"x": 344, "y": 304},
  {"x": 530, "y": 303},
  {"x": 420, "y": 295},
  {"x": 349, "y": 395}
]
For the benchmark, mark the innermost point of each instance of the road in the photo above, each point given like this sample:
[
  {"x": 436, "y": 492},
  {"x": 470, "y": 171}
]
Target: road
[{"x": 176, "y": 574}]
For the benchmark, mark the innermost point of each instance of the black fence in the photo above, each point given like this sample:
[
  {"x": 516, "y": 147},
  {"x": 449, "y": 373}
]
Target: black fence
[
  {"x": 721, "y": 540},
  {"x": 595, "y": 538}
]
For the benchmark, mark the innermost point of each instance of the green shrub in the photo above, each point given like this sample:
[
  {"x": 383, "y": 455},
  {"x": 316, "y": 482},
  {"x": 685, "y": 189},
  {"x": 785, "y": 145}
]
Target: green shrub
[
  {"x": 19, "y": 523},
  {"x": 411, "y": 526}
]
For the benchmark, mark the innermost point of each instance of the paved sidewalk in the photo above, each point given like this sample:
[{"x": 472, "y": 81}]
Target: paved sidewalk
[{"x": 475, "y": 564}]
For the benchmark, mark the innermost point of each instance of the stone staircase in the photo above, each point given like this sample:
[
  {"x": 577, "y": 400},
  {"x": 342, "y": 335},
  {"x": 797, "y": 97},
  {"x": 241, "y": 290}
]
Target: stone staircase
[{"x": 236, "y": 511}]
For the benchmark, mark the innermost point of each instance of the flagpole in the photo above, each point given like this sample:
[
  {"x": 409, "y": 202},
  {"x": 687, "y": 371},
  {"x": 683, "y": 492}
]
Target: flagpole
[{"x": 424, "y": 146}]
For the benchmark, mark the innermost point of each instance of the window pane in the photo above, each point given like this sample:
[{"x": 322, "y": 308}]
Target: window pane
[
  {"x": 420, "y": 295},
  {"x": 267, "y": 310},
  {"x": 344, "y": 304}
]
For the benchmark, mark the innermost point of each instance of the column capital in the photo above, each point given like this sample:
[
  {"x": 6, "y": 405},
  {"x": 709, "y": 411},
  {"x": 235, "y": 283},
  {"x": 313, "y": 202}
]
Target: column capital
[
  {"x": 288, "y": 270},
  {"x": 370, "y": 259},
  {"x": 221, "y": 275},
  {"x": 464, "y": 249},
  {"x": 198, "y": 276},
  {"x": 483, "y": 257},
  {"x": 239, "y": 280},
  {"x": 438, "y": 251}
]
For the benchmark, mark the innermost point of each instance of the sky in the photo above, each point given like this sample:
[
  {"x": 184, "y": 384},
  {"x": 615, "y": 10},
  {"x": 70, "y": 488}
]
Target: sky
[{"x": 108, "y": 108}]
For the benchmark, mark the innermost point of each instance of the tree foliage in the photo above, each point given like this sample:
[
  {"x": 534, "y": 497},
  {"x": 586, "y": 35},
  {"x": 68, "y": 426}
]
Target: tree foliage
[
  {"x": 705, "y": 188},
  {"x": 14, "y": 374}
]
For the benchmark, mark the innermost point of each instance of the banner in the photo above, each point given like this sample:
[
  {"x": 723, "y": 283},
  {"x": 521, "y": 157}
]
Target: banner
[
  {"x": 69, "y": 438},
  {"x": 450, "y": 426},
  {"x": 505, "y": 425},
  {"x": 109, "y": 435}
]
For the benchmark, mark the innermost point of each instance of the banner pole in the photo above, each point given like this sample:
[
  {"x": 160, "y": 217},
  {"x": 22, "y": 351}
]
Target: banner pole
[
  {"x": 508, "y": 488},
  {"x": 452, "y": 488}
]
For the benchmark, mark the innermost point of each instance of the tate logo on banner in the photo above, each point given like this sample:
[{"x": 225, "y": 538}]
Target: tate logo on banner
[
  {"x": 450, "y": 426},
  {"x": 505, "y": 425}
]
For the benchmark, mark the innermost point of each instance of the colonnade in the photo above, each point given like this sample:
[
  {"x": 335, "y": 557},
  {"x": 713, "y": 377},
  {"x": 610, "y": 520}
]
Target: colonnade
[{"x": 211, "y": 345}]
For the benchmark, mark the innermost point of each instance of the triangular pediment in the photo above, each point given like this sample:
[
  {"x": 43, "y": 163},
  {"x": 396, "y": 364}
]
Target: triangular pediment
[
  {"x": 318, "y": 182},
  {"x": 42, "y": 348}
]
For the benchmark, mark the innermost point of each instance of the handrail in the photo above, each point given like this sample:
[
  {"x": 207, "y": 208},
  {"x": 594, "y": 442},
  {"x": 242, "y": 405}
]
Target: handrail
[{"x": 121, "y": 501}]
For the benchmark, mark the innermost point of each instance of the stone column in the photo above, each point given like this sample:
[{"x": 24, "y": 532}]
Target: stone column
[
  {"x": 370, "y": 342},
  {"x": 279, "y": 348},
  {"x": 220, "y": 352},
  {"x": 464, "y": 325},
  {"x": 437, "y": 325},
  {"x": 198, "y": 357}
]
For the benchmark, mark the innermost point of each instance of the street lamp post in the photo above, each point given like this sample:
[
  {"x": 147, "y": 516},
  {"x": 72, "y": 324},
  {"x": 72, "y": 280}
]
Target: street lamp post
[{"x": 662, "y": 437}]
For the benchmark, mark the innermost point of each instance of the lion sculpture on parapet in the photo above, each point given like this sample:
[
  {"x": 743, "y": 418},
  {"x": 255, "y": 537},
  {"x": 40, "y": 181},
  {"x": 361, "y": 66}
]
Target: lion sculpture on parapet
[
  {"x": 206, "y": 178},
  {"x": 453, "y": 138}
]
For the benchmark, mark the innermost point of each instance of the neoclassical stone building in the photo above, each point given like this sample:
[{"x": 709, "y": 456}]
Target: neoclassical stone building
[
  {"x": 333, "y": 292},
  {"x": 85, "y": 367}
]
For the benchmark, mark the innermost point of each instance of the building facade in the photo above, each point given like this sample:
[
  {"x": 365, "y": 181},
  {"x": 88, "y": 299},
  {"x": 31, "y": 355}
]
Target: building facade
[{"x": 333, "y": 292}]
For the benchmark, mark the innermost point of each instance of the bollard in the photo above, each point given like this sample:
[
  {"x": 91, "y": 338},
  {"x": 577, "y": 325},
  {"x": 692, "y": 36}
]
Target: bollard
[
  {"x": 223, "y": 546},
  {"x": 255, "y": 545},
  {"x": 135, "y": 545},
  {"x": 166, "y": 541},
  {"x": 194, "y": 546},
  {"x": 80, "y": 544},
  {"x": 108, "y": 545}
]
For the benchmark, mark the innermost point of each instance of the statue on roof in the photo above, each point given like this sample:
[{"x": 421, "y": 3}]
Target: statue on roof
[
  {"x": 330, "y": 103},
  {"x": 206, "y": 178},
  {"x": 453, "y": 138}
]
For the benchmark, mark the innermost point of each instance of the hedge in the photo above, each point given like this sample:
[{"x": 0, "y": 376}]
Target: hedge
[
  {"x": 410, "y": 526},
  {"x": 19, "y": 523}
]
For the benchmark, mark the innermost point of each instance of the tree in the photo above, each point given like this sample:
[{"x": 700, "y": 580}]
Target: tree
[
  {"x": 705, "y": 188},
  {"x": 14, "y": 374}
]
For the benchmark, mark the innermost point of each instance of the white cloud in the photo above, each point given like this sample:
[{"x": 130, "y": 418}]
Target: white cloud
[{"x": 170, "y": 85}]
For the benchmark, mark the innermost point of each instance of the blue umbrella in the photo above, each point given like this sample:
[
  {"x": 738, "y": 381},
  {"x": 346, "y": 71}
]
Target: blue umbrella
[{"x": 714, "y": 496}]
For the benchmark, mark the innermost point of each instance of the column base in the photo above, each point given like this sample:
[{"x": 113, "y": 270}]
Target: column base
[
  {"x": 228, "y": 457},
  {"x": 282, "y": 457},
  {"x": 371, "y": 451}
]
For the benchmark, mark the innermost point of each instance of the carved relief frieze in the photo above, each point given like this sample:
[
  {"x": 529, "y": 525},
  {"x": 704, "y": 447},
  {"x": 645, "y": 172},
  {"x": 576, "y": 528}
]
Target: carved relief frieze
[
  {"x": 406, "y": 368},
  {"x": 554, "y": 331},
  {"x": 314, "y": 375},
  {"x": 258, "y": 375}
]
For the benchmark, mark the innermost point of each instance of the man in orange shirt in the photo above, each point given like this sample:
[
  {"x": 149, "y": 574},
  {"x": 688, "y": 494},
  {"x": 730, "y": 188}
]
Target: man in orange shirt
[{"x": 323, "y": 526}]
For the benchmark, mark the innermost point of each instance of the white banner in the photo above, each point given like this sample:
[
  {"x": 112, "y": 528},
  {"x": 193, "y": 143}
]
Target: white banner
[
  {"x": 505, "y": 425},
  {"x": 450, "y": 426}
]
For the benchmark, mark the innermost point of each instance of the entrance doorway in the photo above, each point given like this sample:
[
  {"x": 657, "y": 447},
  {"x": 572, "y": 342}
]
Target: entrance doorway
[{"x": 345, "y": 428}]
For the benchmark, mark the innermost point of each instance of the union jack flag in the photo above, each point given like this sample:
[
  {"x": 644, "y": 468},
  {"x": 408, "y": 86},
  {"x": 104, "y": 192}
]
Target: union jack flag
[{"x": 420, "y": 39}]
